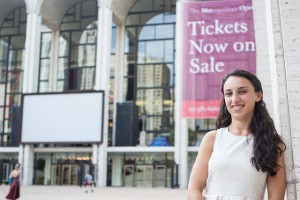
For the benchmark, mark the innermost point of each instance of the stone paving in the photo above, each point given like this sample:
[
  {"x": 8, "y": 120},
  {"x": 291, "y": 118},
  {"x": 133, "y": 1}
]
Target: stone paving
[{"x": 108, "y": 193}]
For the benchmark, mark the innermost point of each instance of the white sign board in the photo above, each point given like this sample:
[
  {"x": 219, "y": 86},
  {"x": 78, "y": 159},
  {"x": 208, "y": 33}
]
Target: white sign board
[{"x": 62, "y": 117}]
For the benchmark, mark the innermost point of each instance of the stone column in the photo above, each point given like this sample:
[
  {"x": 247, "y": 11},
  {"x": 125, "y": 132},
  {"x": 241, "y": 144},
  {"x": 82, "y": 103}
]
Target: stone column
[
  {"x": 119, "y": 74},
  {"x": 102, "y": 79},
  {"x": 32, "y": 45},
  {"x": 28, "y": 165},
  {"x": 117, "y": 163},
  {"x": 289, "y": 12},
  {"x": 283, "y": 34},
  {"x": 30, "y": 82},
  {"x": 181, "y": 128}
]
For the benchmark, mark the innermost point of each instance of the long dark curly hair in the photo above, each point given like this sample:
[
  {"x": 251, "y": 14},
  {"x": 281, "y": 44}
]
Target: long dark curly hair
[{"x": 267, "y": 145}]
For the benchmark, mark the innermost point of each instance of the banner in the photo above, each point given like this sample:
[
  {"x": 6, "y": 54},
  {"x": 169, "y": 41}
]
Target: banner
[{"x": 218, "y": 38}]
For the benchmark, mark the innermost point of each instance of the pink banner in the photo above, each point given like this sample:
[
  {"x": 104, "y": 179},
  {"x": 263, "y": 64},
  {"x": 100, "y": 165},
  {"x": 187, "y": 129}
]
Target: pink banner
[{"x": 218, "y": 38}]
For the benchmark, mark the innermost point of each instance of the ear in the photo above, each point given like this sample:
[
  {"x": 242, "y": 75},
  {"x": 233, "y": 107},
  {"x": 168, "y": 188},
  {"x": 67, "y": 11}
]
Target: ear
[{"x": 258, "y": 96}]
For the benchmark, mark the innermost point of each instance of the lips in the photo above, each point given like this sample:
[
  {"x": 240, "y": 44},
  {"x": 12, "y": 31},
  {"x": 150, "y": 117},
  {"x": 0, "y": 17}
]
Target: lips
[{"x": 237, "y": 107}]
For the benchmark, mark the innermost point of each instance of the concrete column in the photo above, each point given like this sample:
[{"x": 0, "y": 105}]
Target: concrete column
[
  {"x": 283, "y": 46},
  {"x": 181, "y": 129},
  {"x": 289, "y": 12},
  {"x": 30, "y": 82},
  {"x": 28, "y": 165},
  {"x": 102, "y": 79},
  {"x": 32, "y": 46},
  {"x": 95, "y": 158},
  {"x": 95, "y": 154},
  {"x": 117, "y": 163},
  {"x": 119, "y": 74}
]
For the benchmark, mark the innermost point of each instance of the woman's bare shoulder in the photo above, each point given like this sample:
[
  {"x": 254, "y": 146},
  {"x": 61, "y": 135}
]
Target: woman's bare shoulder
[
  {"x": 209, "y": 138},
  {"x": 211, "y": 135}
]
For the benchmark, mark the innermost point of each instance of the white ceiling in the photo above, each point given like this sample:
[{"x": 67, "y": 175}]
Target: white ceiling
[{"x": 52, "y": 11}]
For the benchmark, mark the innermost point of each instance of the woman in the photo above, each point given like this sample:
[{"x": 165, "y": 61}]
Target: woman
[
  {"x": 245, "y": 154},
  {"x": 14, "y": 190}
]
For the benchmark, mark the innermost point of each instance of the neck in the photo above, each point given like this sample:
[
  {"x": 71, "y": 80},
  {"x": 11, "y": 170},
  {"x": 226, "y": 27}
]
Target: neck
[{"x": 239, "y": 128}]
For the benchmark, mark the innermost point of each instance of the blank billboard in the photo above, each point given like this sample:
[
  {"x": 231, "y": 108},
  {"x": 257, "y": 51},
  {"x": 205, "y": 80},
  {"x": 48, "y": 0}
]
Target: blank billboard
[{"x": 62, "y": 117}]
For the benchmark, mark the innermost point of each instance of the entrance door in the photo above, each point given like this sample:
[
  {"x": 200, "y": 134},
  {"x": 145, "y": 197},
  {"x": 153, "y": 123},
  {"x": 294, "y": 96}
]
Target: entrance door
[
  {"x": 66, "y": 174},
  {"x": 69, "y": 175},
  {"x": 144, "y": 176},
  {"x": 55, "y": 179}
]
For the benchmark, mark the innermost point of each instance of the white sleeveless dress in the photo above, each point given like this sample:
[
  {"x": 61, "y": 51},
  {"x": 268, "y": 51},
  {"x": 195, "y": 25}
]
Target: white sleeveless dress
[{"x": 231, "y": 176}]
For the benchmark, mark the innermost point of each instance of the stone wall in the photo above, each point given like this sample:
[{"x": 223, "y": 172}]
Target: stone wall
[{"x": 286, "y": 32}]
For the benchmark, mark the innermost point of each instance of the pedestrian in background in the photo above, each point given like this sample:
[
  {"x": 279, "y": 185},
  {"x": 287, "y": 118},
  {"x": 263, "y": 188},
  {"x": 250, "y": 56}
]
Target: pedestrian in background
[
  {"x": 88, "y": 183},
  {"x": 14, "y": 189},
  {"x": 245, "y": 154}
]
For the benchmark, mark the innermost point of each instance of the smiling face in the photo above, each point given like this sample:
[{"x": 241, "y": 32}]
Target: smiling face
[{"x": 240, "y": 97}]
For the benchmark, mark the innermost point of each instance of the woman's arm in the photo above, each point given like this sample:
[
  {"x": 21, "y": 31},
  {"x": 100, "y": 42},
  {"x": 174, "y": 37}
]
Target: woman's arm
[
  {"x": 199, "y": 172},
  {"x": 276, "y": 185},
  {"x": 14, "y": 173}
]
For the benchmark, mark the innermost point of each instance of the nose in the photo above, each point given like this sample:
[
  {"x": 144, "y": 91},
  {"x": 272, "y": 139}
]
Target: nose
[{"x": 235, "y": 97}]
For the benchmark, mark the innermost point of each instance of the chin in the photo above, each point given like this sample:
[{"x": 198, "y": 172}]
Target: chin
[{"x": 237, "y": 115}]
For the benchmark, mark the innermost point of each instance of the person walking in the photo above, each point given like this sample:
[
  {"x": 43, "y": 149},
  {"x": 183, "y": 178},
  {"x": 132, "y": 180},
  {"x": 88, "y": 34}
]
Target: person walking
[
  {"x": 14, "y": 189},
  {"x": 88, "y": 183},
  {"x": 244, "y": 156}
]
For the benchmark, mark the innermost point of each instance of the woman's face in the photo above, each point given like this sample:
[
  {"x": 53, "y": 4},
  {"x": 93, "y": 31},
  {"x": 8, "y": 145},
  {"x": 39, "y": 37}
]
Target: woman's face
[
  {"x": 240, "y": 97},
  {"x": 17, "y": 166}
]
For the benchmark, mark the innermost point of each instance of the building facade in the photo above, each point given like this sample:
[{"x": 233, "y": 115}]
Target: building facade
[{"x": 131, "y": 50}]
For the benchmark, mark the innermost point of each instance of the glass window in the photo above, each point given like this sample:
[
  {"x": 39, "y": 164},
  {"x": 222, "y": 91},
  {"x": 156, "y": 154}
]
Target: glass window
[
  {"x": 153, "y": 19},
  {"x": 164, "y": 31},
  {"x": 12, "y": 43},
  {"x": 45, "y": 50},
  {"x": 147, "y": 33},
  {"x": 149, "y": 76},
  {"x": 15, "y": 23},
  {"x": 44, "y": 86},
  {"x": 77, "y": 47},
  {"x": 198, "y": 128},
  {"x": 169, "y": 52},
  {"x": 114, "y": 38},
  {"x": 44, "y": 70},
  {"x": 46, "y": 44},
  {"x": 86, "y": 8}
]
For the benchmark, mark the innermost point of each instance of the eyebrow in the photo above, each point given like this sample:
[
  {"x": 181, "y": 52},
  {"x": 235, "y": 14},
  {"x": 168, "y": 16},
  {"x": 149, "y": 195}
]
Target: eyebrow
[{"x": 243, "y": 87}]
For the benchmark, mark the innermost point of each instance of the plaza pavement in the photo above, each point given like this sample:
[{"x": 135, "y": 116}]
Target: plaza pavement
[{"x": 108, "y": 193}]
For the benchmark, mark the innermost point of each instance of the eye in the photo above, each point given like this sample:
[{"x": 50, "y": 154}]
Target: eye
[
  {"x": 243, "y": 91},
  {"x": 228, "y": 94}
]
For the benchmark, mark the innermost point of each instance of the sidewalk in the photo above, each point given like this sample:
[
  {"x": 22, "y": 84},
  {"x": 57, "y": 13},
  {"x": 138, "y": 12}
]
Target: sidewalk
[{"x": 109, "y": 193}]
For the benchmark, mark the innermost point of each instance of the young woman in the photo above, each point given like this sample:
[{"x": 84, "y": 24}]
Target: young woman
[
  {"x": 14, "y": 190},
  {"x": 245, "y": 154}
]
